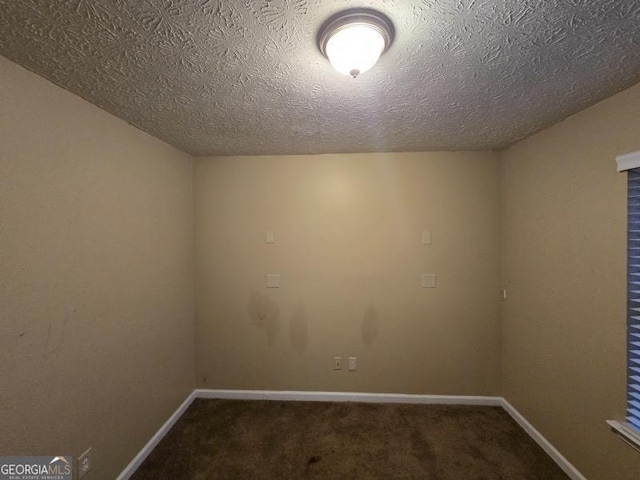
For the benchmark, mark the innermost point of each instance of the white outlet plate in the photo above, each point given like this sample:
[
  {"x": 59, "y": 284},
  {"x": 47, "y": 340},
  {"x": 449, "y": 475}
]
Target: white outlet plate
[
  {"x": 428, "y": 280},
  {"x": 426, "y": 237},
  {"x": 269, "y": 237},
  {"x": 273, "y": 281},
  {"x": 353, "y": 364},
  {"x": 84, "y": 463}
]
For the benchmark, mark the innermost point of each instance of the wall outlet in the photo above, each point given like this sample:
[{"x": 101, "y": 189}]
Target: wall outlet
[
  {"x": 269, "y": 237},
  {"x": 428, "y": 280},
  {"x": 85, "y": 461},
  {"x": 353, "y": 364},
  {"x": 337, "y": 363}
]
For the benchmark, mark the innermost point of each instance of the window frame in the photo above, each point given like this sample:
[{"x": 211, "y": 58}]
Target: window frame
[{"x": 629, "y": 430}]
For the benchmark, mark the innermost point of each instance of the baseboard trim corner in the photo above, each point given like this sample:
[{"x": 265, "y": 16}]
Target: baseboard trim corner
[
  {"x": 557, "y": 457},
  {"x": 304, "y": 396},
  {"x": 155, "y": 440}
]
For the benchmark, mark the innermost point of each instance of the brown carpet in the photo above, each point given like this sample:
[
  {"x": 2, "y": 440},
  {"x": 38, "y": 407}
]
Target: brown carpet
[{"x": 231, "y": 439}]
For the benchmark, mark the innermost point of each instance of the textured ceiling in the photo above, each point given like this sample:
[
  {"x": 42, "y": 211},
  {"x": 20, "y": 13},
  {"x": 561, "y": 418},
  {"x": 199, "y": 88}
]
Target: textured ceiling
[{"x": 245, "y": 77}]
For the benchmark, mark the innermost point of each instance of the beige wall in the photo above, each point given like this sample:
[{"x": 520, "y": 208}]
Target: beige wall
[
  {"x": 564, "y": 246},
  {"x": 96, "y": 289},
  {"x": 348, "y": 249}
]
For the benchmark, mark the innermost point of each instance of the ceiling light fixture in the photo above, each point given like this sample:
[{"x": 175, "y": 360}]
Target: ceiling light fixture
[{"x": 353, "y": 40}]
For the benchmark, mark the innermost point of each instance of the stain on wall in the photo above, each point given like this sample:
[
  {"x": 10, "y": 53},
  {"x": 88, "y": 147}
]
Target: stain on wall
[
  {"x": 299, "y": 329},
  {"x": 264, "y": 314}
]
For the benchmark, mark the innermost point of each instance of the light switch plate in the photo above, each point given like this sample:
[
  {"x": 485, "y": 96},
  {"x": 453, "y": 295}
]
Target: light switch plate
[
  {"x": 269, "y": 236},
  {"x": 426, "y": 237},
  {"x": 273, "y": 281},
  {"x": 428, "y": 280}
]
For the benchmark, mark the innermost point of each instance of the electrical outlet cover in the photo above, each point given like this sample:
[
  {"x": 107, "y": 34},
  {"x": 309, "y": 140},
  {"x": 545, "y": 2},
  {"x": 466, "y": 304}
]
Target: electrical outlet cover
[
  {"x": 428, "y": 280},
  {"x": 337, "y": 363},
  {"x": 269, "y": 236},
  {"x": 84, "y": 463},
  {"x": 353, "y": 364}
]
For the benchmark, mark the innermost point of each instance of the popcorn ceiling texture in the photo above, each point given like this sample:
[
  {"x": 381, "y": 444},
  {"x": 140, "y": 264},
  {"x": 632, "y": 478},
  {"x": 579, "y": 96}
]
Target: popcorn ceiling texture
[{"x": 218, "y": 77}]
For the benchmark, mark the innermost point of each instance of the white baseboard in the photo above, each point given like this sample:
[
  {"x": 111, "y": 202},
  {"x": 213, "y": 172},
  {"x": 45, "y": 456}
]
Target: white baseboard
[
  {"x": 562, "y": 462},
  {"x": 302, "y": 396},
  {"x": 155, "y": 440}
]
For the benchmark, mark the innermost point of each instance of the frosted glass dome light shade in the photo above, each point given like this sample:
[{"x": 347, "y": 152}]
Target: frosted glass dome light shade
[
  {"x": 355, "y": 49},
  {"x": 354, "y": 40}
]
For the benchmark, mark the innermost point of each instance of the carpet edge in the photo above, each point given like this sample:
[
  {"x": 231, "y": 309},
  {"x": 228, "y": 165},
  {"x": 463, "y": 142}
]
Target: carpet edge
[{"x": 276, "y": 395}]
